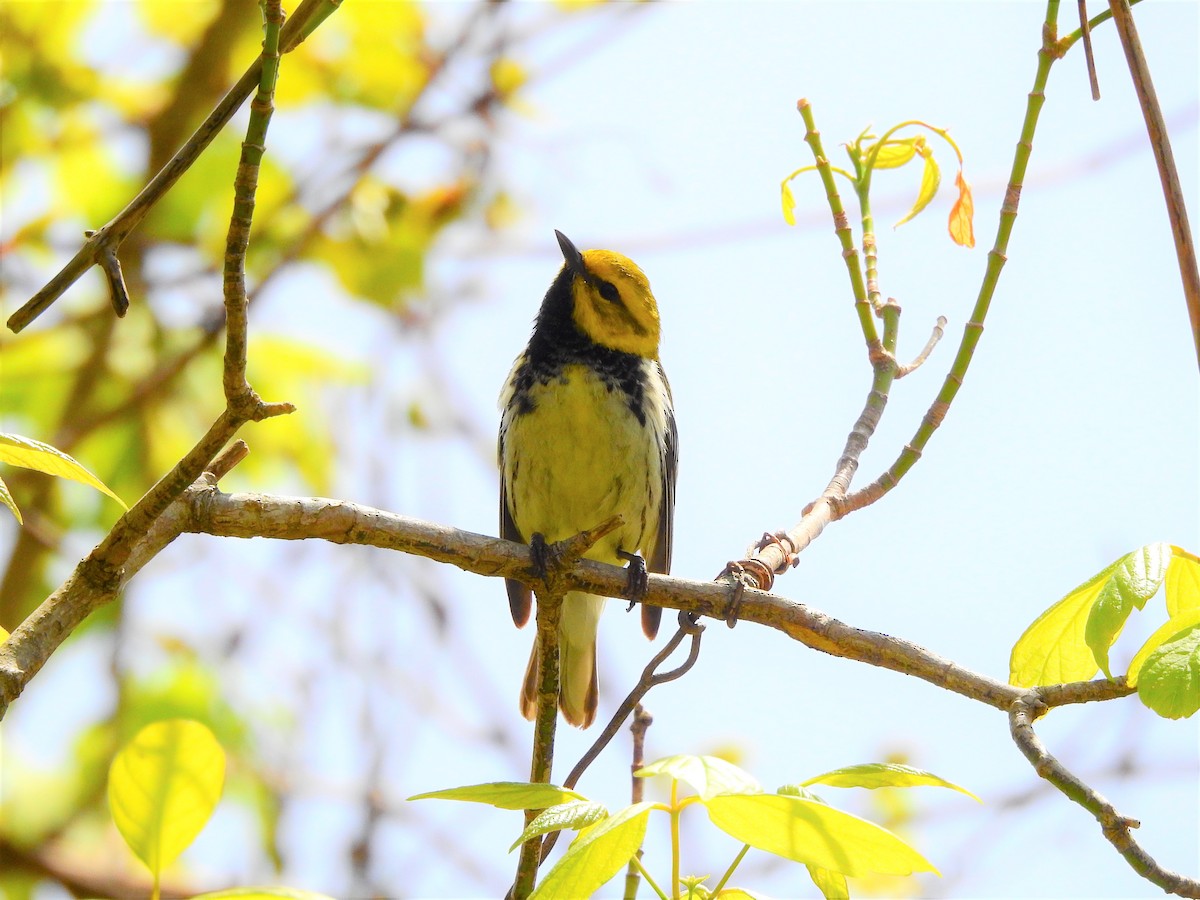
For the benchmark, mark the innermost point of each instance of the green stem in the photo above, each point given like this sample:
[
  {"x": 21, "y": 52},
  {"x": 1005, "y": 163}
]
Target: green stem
[
  {"x": 732, "y": 867},
  {"x": 649, "y": 880},
  {"x": 841, "y": 226},
  {"x": 973, "y": 329},
  {"x": 675, "y": 839}
]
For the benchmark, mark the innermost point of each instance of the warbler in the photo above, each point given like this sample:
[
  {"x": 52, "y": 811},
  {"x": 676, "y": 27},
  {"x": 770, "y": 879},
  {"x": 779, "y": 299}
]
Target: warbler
[{"x": 588, "y": 432}]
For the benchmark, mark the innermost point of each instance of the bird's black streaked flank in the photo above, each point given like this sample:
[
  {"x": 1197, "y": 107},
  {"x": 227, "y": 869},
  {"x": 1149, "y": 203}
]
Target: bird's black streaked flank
[{"x": 588, "y": 432}]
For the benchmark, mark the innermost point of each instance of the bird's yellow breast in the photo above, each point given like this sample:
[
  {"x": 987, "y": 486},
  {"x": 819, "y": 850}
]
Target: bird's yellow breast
[{"x": 579, "y": 456}]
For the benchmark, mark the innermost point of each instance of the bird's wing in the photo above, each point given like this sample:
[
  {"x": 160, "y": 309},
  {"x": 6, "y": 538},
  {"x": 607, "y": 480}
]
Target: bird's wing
[
  {"x": 520, "y": 597},
  {"x": 660, "y": 558}
]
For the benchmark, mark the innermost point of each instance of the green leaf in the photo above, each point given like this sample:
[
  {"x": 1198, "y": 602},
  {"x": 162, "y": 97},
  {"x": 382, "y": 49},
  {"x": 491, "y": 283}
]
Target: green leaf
[
  {"x": 877, "y": 775},
  {"x": 7, "y": 500},
  {"x": 574, "y": 815},
  {"x": 31, "y": 454},
  {"x": 596, "y": 855},
  {"x": 832, "y": 885},
  {"x": 506, "y": 795},
  {"x": 1165, "y": 632},
  {"x": 789, "y": 203},
  {"x": 931, "y": 178},
  {"x": 814, "y": 834},
  {"x": 1054, "y": 648},
  {"x": 1134, "y": 580},
  {"x": 1183, "y": 582},
  {"x": 707, "y": 775},
  {"x": 162, "y": 788},
  {"x": 1169, "y": 681},
  {"x": 262, "y": 893}
]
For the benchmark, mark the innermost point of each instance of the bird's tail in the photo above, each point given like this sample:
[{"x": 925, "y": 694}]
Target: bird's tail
[{"x": 578, "y": 690}]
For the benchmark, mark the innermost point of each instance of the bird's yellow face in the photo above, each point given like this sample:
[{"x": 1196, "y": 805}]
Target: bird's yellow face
[{"x": 613, "y": 304}]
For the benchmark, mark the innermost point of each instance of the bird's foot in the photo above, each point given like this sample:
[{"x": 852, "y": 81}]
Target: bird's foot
[
  {"x": 638, "y": 580},
  {"x": 539, "y": 554}
]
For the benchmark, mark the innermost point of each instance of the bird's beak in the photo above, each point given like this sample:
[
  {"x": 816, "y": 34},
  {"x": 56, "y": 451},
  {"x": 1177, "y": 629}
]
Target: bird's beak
[{"x": 573, "y": 257}]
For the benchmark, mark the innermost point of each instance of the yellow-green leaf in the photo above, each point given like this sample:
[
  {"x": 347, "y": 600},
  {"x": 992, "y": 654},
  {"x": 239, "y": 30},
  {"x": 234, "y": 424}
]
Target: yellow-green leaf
[
  {"x": 597, "y": 855},
  {"x": 1134, "y": 580},
  {"x": 789, "y": 203},
  {"x": 1169, "y": 680},
  {"x": 814, "y": 834},
  {"x": 7, "y": 500},
  {"x": 1168, "y": 630},
  {"x": 1052, "y": 649},
  {"x": 506, "y": 795},
  {"x": 31, "y": 454},
  {"x": 931, "y": 178},
  {"x": 707, "y": 775},
  {"x": 1183, "y": 582},
  {"x": 894, "y": 154},
  {"x": 162, "y": 788},
  {"x": 877, "y": 775},
  {"x": 832, "y": 885},
  {"x": 574, "y": 815}
]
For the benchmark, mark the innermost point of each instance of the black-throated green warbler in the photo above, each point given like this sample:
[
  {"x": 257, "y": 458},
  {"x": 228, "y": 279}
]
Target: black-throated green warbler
[{"x": 588, "y": 432}]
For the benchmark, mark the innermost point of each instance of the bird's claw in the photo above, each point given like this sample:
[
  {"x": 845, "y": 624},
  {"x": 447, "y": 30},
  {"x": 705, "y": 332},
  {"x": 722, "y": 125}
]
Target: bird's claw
[
  {"x": 539, "y": 554},
  {"x": 638, "y": 579}
]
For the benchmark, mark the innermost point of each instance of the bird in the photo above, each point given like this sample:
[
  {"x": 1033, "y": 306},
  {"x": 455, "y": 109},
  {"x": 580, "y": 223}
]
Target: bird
[{"x": 588, "y": 431}]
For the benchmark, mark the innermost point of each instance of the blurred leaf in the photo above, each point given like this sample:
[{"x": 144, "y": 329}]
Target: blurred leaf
[
  {"x": 162, "y": 18},
  {"x": 369, "y": 54},
  {"x": 1183, "y": 582},
  {"x": 163, "y": 787},
  {"x": 506, "y": 795},
  {"x": 1165, "y": 632},
  {"x": 1136, "y": 578},
  {"x": 962, "y": 214},
  {"x": 7, "y": 500},
  {"x": 877, "y": 775},
  {"x": 88, "y": 180},
  {"x": 707, "y": 775},
  {"x": 1169, "y": 679},
  {"x": 262, "y": 893},
  {"x": 814, "y": 834},
  {"x": 931, "y": 179},
  {"x": 597, "y": 855},
  {"x": 575, "y": 815},
  {"x": 508, "y": 76},
  {"x": 185, "y": 689},
  {"x": 31, "y": 454}
]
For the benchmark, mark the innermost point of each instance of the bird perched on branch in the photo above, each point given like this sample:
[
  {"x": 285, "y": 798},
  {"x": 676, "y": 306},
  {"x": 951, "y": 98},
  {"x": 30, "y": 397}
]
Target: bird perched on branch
[{"x": 588, "y": 432}]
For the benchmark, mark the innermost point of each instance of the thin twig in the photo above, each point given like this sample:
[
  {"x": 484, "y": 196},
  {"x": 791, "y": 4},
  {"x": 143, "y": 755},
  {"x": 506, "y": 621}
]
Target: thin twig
[
  {"x": 102, "y": 244},
  {"x": 688, "y": 626},
  {"x": 1160, "y": 142},
  {"x": 1086, "y": 30},
  {"x": 642, "y": 720},
  {"x": 938, "y": 331},
  {"x": 1117, "y": 829},
  {"x": 98, "y": 578}
]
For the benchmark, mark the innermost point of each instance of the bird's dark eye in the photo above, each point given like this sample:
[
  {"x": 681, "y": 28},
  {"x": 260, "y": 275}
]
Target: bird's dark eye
[{"x": 608, "y": 291}]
